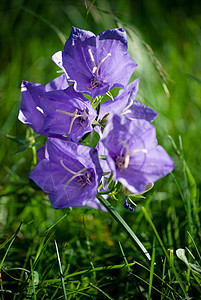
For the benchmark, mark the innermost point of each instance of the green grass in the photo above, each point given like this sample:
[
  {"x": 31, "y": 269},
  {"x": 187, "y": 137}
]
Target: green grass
[{"x": 83, "y": 253}]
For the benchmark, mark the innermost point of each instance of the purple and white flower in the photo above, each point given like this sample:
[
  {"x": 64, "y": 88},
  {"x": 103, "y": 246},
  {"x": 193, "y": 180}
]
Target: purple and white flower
[
  {"x": 134, "y": 156},
  {"x": 67, "y": 113},
  {"x": 54, "y": 111},
  {"x": 69, "y": 173},
  {"x": 96, "y": 64}
]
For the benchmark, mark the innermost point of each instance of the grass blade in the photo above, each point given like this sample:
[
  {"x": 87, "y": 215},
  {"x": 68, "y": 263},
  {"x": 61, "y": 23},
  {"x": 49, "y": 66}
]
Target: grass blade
[
  {"x": 61, "y": 272},
  {"x": 155, "y": 231},
  {"x": 100, "y": 290},
  {"x": 97, "y": 269},
  {"x": 152, "y": 269},
  {"x": 14, "y": 237},
  {"x": 196, "y": 248},
  {"x": 45, "y": 21},
  {"x": 58, "y": 221},
  {"x": 33, "y": 283},
  {"x": 124, "y": 256},
  {"x": 164, "y": 250},
  {"x": 163, "y": 275},
  {"x": 125, "y": 226}
]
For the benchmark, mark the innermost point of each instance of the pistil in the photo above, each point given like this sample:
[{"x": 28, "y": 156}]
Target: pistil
[
  {"x": 122, "y": 161},
  {"x": 75, "y": 174},
  {"x": 74, "y": 116},
  {"x": 94, "y": 81}
]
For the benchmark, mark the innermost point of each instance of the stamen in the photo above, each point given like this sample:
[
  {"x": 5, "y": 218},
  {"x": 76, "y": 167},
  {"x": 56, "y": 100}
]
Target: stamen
[
  {"x": 110, "y": 95},
  {"x": 73, "y": 115},
  {"x": 86, "y": 178},
  {"x": 93, "y": 61},
  {"x": 67, "y": 169},
  {"x": 40, "y": 109},
  {"x": 75, "y": 174},
  {"x": 82, "y": 125},
  {"x": 95, "y": 68},
  {"x": 127, "y": 157},
  {"x": 73, "y": 177},
  {"x": 126, "y": 109},
  {"x": 122, "y": 162},
  {"x": 129, "y": 105},
  {"x": 100, "y": 63},
  {"x": 89, "y": 87},
  {"x": 94, "y": 81}
]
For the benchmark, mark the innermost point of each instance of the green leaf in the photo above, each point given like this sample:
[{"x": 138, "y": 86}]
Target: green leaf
[{"x": 194, "y": 267}]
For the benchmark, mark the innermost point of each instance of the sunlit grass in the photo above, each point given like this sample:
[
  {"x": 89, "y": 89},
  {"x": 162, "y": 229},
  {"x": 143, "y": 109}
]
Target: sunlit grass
[{"x": 93, "y": 257}]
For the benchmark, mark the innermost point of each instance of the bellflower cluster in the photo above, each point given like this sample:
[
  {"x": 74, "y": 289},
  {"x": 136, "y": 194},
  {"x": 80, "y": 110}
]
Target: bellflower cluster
[{"x": 70, "y": 172}]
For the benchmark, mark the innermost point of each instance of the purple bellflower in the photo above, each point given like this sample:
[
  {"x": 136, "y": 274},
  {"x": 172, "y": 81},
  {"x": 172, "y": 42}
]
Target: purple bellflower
[
  {"x": 31, "y": 112},
  {"x": 56, "y": 110},
  {"x": 96, "y": 64},
  {"x": 124, "y": 103},
  {"x": 69, "y": 173},
  {"x": 67, "y": 113},
  {"x": 134, "y": 156}
]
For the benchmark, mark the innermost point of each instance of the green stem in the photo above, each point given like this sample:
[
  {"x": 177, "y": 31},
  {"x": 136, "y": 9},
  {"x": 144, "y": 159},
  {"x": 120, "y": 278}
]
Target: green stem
[{"x": 124, "y": 225}]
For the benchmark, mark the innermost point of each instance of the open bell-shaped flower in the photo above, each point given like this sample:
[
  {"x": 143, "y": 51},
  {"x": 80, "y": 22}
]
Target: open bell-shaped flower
[
  {"x": 69, "y": 173},
  {"x": 56, "y": 110},
  {"x": 134, "y": 156},
  {"x": 67, "y": 113},
  {"x": 96, "y": 64}
]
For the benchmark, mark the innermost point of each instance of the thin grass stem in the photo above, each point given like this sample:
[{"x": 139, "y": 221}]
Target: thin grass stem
[
  {"x": 61, "y": 272},
  {"x": 152, "y": 269}
]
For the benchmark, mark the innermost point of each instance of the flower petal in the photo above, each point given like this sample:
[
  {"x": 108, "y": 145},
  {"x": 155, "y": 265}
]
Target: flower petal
[
  {"x": 90, "y": 62},
  {"x": 67, "y": 113},
  {"x": 31, "y": 109},
  {"x": 124, "y": 104},
  {"x": 68, "y": 172},
  {"x": 133, "y": 154}
]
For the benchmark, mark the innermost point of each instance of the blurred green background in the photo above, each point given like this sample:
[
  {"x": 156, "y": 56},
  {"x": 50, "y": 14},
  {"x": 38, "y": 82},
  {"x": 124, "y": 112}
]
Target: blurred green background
[{"x": 164, "y": 38}]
